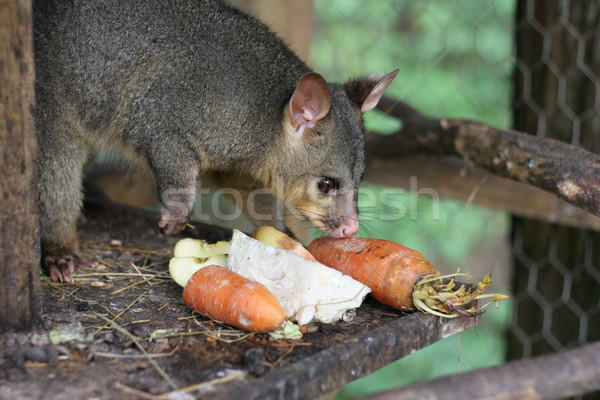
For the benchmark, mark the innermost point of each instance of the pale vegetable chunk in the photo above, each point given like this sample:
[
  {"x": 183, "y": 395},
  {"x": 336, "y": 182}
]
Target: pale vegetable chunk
[
  {"x": 182, "y": 268},
  {"x": 276, "y": 238},
  {"x": 199, "y": 248},
  {"x": 307, "y": 290}
]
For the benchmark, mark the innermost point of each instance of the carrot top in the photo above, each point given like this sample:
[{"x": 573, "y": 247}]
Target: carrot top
[{"x": 444, "y": 297}]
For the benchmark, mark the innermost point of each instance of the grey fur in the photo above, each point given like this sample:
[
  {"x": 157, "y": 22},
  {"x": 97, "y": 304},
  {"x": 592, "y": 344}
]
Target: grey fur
[{"x": 185, "y": 87}]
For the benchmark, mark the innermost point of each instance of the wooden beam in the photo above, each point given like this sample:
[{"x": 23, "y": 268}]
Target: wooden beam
[
  {"x": 555, "y": 376},
  {"x": 20, "y": 294},
  {"x": 446, "y": 176},
  {"x": 291, "y": 20},
  {"x": 569, "y": 172},
  {"x": 453, "y": 178}
]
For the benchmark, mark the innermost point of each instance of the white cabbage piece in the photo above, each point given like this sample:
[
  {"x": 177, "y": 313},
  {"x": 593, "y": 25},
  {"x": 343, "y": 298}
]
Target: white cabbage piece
[{"x": 307, "y": 290}]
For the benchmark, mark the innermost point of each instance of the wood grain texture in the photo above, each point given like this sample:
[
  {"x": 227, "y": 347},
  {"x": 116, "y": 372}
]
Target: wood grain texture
[
  {"x": 19, "y": 248},
  {"x": 556, "y": 376},
  {"x": 569, "y": 172},
  {"x": 457, "y": 179}
]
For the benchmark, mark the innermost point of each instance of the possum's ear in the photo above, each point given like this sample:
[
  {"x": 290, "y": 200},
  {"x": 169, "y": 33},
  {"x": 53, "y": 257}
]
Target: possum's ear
[
  {"x": 366, "y": 91},
  {"x": 310, "y": 102}
]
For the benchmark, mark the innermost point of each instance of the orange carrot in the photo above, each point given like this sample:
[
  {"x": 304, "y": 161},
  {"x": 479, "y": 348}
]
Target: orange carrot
[
  {"x": 228, "y": 297},
  {"x": 389, "y": 269},
  {"x": 398, "y": 276}
]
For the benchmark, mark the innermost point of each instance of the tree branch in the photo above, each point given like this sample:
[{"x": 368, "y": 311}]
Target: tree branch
[
  {"x": 553, "y": 376},
  {"x": 570, "y": 172}
]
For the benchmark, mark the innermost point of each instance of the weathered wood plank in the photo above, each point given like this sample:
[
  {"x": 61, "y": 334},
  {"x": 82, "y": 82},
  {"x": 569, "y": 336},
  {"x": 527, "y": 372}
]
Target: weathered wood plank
[
  {"x": 332, "y": 368},
  {"x": 453, "y": 178},
  {"x": 569, "y": 172},
  {"x": 105, "y": 365},
  {"x": 291, "y": 20},
  {"x": 19, "y": 250},
  {"x": 556, "y": 376}
]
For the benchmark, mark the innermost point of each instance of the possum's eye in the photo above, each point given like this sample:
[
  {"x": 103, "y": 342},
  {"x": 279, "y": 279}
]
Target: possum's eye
[{"x": 327, "y": 185}]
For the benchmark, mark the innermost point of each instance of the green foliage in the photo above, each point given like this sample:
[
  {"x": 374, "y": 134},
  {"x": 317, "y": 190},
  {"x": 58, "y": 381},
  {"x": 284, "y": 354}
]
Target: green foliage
[
  {"x": 454, "y": 56},
  {"x": 455, "y": 60}
]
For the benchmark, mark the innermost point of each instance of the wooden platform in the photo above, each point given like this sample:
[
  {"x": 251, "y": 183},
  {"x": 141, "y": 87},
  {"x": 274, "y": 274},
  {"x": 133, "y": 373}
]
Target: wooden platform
[{"x": 132, "y": 288}]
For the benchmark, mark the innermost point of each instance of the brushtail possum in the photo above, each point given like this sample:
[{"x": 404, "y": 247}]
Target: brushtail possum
[{"x": 188, "y": 87}]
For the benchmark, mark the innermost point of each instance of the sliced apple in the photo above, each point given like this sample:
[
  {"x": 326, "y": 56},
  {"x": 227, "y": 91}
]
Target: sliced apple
[
  {"x": 200, "y": 248},
  {"x": 276, "y": 238},
  {"x": 182, "y": 268}
]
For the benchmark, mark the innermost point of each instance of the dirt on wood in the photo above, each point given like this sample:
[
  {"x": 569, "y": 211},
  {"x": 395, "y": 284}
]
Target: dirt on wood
[{"x": 122, "y": 329}]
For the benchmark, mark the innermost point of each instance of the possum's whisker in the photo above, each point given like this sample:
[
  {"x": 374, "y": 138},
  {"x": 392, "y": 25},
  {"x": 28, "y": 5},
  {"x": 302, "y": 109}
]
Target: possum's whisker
[{"x": 368, "y": 230}]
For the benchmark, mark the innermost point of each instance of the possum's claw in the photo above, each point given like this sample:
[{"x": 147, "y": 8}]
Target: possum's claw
[
  {"x": 62, "y": 268},
  {"x": 171, "y": 224}
]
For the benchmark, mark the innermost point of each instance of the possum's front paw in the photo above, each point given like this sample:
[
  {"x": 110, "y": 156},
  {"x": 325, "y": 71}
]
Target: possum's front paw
[
  {"x": 171, "y": 224},
  {"x": 62, "y": 268}
]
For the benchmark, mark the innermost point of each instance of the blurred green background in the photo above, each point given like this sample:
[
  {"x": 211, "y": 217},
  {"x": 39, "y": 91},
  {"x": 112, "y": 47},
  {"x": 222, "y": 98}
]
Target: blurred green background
[{"x": 455, "y": 60}]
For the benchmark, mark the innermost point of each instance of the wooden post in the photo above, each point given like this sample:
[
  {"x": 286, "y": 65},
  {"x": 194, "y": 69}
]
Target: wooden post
[
  {"x": 291, "y": 20},
  {"x": 20, "y": 295}
]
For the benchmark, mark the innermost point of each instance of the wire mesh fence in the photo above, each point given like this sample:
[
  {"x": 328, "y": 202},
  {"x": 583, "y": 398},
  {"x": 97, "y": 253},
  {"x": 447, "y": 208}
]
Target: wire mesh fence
[
  {"x": 557, "y": 92},
  {"x": 557, "y": 302}
]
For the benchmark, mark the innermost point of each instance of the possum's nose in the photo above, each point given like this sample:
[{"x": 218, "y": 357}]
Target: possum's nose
[{"x": 349, "y": 227}]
